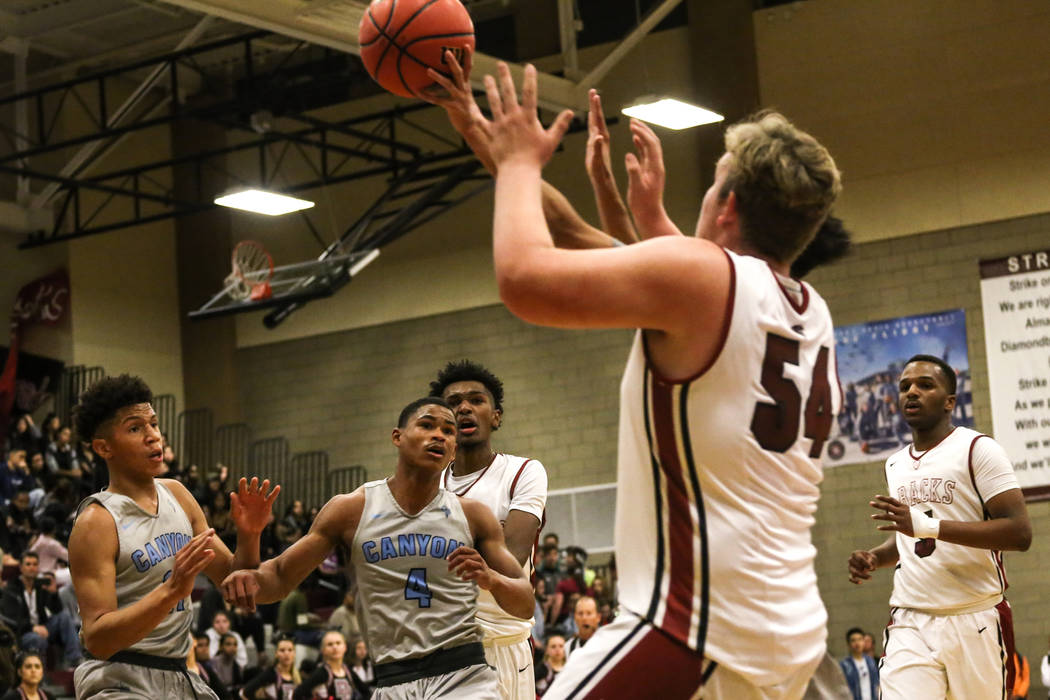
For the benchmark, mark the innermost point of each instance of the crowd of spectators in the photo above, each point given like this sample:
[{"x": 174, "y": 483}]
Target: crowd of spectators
[{"x": 315, "y": 650}]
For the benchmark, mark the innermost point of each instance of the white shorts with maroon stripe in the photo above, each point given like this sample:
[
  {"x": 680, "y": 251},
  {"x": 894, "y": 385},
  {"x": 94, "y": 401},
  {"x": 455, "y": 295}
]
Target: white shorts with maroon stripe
[
  {"x": 629, "y": 658},
  {"x": 960, "y": 657}
]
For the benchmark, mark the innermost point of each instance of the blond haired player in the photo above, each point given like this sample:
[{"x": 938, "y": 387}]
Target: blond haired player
[
  {"x": 954, "y": 506},
  {"x": 728, "y": 392}
]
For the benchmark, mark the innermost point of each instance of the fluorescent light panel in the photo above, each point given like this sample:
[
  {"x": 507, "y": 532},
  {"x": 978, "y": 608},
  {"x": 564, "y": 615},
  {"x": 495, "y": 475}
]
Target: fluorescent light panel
[
  {"x": 671, "y": 113},
  {"x": 263, "y": 202}
]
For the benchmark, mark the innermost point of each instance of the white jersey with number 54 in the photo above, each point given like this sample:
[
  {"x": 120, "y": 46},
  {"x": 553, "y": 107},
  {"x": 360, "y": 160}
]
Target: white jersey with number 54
[{"x": 718, "y": 481}]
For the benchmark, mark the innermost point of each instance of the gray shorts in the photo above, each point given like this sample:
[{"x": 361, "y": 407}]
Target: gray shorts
[
  {"x": 107, "y": 679},
  {"x": 477, "y": 682}
]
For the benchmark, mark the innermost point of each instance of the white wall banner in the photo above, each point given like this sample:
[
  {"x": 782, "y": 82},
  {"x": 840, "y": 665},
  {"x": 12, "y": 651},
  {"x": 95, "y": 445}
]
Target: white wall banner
[{"x": 1015, "y": 296}]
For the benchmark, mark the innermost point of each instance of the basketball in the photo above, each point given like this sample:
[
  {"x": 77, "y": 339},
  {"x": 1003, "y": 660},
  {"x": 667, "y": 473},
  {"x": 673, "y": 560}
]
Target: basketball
[{"x": 401, "y": 39}]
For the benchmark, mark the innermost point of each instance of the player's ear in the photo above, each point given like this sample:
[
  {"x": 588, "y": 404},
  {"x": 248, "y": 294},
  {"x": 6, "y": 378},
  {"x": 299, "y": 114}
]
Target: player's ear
[
  {"x": 395, "y": 437},
  {"x": 949, "y": 404},
  {"x": 729, "y": 214},
  {"x": 100, "y": 447},
  {"x": 497, "y": 419}
]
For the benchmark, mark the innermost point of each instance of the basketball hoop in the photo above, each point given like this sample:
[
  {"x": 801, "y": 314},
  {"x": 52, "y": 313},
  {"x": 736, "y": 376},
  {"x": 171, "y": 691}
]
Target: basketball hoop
[{"x": 252, "y": 268}]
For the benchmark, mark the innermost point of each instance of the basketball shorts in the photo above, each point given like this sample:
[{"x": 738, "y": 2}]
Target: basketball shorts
[
  {"x": 959, "y": 657},
  {"x": 512, "y": 659},
  {"x": 96, "y": 679},
  {"x": 476, "y": 682},
  {"x": 629, "y": 658}
]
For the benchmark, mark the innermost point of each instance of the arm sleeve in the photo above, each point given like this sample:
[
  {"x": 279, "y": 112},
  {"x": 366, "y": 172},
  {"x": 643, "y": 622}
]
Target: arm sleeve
[
  {"x": 529, "y": 494},
  {"x": 1044, "y": 669},
  {"x": 306, "y": 689},
  {"x": 992, "y": 470}
]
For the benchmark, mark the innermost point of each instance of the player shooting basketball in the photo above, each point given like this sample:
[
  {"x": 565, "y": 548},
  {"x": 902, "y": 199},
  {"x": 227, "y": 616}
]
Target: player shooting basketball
[{"x": 728, "y": 335}]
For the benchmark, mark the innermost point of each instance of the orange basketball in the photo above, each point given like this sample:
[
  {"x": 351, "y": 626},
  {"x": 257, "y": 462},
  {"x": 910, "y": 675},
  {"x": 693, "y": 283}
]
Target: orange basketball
[{"x": 400, "y": 39}]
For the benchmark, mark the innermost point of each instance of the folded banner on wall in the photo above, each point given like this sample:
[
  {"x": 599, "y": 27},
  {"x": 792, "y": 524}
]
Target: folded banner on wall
[
  {"x": 870, "y": 358},
  {"x": 42, "y": 301},
  {"x": 1015, "y": 296}
]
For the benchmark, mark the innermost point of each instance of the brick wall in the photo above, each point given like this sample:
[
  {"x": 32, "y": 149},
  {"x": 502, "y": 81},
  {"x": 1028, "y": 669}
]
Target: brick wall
[{"x": 341, "y": 392}]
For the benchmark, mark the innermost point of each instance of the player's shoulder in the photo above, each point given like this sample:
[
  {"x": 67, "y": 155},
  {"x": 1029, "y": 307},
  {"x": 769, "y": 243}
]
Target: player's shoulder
[
  {"x": 515, "y": 464},
  {"x": 95, "y": 521},
  {"x": 898, "y": 457}
]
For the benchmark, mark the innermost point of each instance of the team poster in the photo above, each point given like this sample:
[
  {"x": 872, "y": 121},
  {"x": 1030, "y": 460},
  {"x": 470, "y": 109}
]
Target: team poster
[{"x": 870, "y": 358}]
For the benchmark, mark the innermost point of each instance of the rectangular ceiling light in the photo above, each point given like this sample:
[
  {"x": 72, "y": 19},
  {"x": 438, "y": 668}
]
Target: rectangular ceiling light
[
  {"x": 263, "y": 202},
  {"x": 671, "y": 113}
]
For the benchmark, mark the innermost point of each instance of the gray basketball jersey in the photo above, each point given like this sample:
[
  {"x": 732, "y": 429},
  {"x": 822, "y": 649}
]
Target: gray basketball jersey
[
  {"x": 409, "y": 604},
  {"x": 145, "y": 559}
]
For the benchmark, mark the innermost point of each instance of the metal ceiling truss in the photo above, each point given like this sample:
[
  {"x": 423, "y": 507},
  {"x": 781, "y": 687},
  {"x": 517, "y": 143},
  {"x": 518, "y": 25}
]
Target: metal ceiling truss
[{"x": 333, "y": 152}]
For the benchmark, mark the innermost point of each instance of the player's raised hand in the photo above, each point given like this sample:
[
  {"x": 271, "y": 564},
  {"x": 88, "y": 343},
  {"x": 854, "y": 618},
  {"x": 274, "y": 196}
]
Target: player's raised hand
[
  {"x": 469, "y": 565},
  {"x": 515, "y": 131},
  {"x": 645, "y": 178},
  {"x": 240, "y": 588},
  {"x": 454, "y": 94},
  {"x": 861, "y": 564},
  {"x": 251, "y": 505},
  {"x": 597, "y": 160},
  {"x": 192, "y": 559},
  {"x": 896, "y": 514}
]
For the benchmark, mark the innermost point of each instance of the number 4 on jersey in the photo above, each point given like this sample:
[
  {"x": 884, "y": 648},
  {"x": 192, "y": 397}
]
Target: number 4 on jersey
[
  {"x": 416, "y": 587},
  {"x": 775, "y": 425}
]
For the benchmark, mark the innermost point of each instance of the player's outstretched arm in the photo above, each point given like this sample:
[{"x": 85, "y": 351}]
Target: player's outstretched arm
[
  {"x": 645, "y": 183},
  {"x": 1007, "y": 529},
  {"x": 864, "y": 561},
  {"x": 277, "y": 577},
  {"x": 491, "y": 565},
  {"x": 655, "y": 284},
  {"x": 250, "y": 509},
  {"x": 92, "y": 556},
  {"x": 616, "y": 220}
]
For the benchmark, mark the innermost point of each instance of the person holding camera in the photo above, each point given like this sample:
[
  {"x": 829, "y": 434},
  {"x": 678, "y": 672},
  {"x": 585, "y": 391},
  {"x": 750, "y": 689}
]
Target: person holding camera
[{"x": 37, "y": 614}]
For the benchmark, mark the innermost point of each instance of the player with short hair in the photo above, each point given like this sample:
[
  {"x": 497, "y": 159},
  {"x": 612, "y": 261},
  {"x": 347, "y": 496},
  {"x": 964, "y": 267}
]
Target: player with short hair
[
  {"x": 954, "y": 507},
  {"x": 418, "y": 554},
  {"x": 728, "y": 396},
  {"x": 137, "y": 547},
  {"x": 515, "y": 490}
]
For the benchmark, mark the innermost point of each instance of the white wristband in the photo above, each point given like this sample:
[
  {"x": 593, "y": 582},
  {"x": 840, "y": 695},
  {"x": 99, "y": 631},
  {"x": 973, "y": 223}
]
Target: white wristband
[{"x": 924, "y": 526}]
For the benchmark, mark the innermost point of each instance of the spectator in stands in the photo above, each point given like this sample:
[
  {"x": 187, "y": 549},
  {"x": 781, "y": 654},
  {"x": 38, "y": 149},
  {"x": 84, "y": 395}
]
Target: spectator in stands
[
  {"x": 21, "y": 526},
  {"x": 860, "y": 670},
  {"x": 574, "y": 584},
  {"x": 43, "y": 477},
  {"x": 24, "y": 435},
  {"x": 539, "y": 616},
  {"x": 295, "y": 619},
  {"x": 13, "y": 475},
  {"x": 171, "y": 461},
  {"x": 220, "y": 627},
  {"x": 869, "y": 645},
  {"x": 344, "y": 618},
  {"x": 227, "y": 668},
  {"x": 332, "y": 678},
  {"x": 36, "y": 614},
  {"x": 278, "y": 681},
  {"x": 220, "y": 519},
  {"x": 60, "y": 457},
  {"x": 248, "y": 625},
  {"x": 52, "y": 424},
  {"x": 363, "y": 669},
  {"x": 553, "y": 662},
  {"x": 60, "y": 503},
  {"x": 587, "y": 620},
  {"x": 550, "y": 568},
  {"x": 50, "y": 551},
  {"x": 1022, "y": 677},
  {"x": 30, "y": 668},
  {"x": 602, "y": 595},
  {"x": 200, "y": 658},
  {"x": 295, "y": 517}
]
